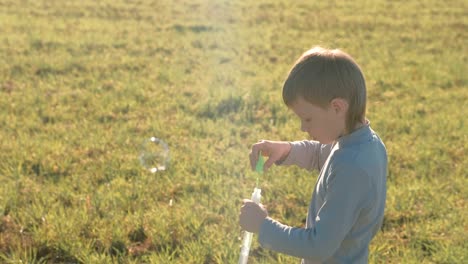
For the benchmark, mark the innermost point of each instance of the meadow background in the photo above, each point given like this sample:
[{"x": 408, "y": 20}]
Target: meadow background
[{"x": 84, "y": 83}]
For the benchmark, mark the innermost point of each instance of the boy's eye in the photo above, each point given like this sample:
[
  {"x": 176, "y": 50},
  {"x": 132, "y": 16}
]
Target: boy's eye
[{"x": 307, "y": 120}]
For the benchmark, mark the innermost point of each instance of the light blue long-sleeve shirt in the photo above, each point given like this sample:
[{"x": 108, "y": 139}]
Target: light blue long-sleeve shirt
[{"x": 347, "y": 205}]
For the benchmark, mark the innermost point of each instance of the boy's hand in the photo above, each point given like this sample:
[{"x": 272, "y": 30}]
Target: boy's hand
[
  {"x": 252, "y": 216},
  {"x": 275, "y": 150}
]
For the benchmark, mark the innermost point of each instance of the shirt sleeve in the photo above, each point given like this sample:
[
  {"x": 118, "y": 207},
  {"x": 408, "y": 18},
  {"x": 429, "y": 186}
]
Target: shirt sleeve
[
  {"x": 307, "y": 154},
  {"x": 347, "y": 188}
]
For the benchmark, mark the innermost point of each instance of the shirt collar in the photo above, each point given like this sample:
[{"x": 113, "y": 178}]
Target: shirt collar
[{"x": 358, "y": 136}]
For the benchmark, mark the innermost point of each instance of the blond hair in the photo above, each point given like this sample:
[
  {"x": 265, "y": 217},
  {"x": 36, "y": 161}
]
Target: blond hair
[{"x": 321, "y": 75}]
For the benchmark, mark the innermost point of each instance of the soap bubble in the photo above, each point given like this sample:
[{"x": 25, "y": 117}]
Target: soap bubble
[{"x": 154, "y": 155}]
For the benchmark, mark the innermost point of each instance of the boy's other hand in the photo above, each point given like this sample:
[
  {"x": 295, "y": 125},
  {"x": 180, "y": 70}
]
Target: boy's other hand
[
  {"x": 276, "y": 151},
  {"x": 252, "y": 216}
]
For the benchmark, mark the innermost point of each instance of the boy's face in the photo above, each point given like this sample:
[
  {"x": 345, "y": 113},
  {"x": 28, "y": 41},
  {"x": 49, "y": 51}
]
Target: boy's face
[{"x": 323, "y": 125}]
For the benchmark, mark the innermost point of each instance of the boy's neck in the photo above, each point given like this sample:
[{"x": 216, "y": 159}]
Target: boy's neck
[
  {"x": 356, "y": 127},
  {"x": 359, "y": 125}
]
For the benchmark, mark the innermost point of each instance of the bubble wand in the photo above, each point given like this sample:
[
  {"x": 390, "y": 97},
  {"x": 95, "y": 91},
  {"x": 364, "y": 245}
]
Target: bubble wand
[{"x": 256, "y": 196}]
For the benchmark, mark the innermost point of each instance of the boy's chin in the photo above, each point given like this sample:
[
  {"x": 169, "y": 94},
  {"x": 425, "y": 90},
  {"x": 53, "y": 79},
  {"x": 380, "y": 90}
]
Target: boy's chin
[{"x": 322, "y": 140}]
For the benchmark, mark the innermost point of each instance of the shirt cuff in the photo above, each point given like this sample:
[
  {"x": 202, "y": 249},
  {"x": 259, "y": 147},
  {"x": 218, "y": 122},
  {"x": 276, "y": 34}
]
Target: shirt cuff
[
  {"x": 268, "y": 234},
  {"x": 263, "y": 233},
  {"x": 292, "y": 156}
]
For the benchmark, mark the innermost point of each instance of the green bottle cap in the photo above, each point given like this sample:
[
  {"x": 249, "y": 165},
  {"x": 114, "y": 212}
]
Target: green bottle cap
[{"x": 260, "y": 163}]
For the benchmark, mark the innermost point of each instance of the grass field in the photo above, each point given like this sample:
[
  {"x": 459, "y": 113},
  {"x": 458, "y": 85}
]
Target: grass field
[{"x": 84, "y": 83}]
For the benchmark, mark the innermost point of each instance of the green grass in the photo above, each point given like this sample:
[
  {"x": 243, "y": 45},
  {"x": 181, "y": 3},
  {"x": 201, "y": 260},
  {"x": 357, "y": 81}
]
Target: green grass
[{"x": 83, "y": 83}]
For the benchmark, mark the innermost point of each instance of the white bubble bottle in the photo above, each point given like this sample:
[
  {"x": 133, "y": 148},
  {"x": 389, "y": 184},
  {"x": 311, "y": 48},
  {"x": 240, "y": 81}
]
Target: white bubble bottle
[{"x": 256, "y": 197}]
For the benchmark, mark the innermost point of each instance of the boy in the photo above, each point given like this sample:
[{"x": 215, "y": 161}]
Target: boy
[{"x": 326, "y": 90}]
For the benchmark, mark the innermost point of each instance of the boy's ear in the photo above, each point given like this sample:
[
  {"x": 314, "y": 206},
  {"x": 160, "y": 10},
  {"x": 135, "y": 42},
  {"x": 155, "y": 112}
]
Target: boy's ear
[{"x": 339, "y": 105}]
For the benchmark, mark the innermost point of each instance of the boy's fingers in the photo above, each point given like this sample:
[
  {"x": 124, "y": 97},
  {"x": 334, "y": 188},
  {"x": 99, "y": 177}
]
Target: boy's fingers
[
  {"x": 254, "y": 153},
  {"x": 253, "y": 159},
  {"x": 270, "y": 161},
  {"x": 267, "y": 164},
  {"x": 244, "y": 201}
]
